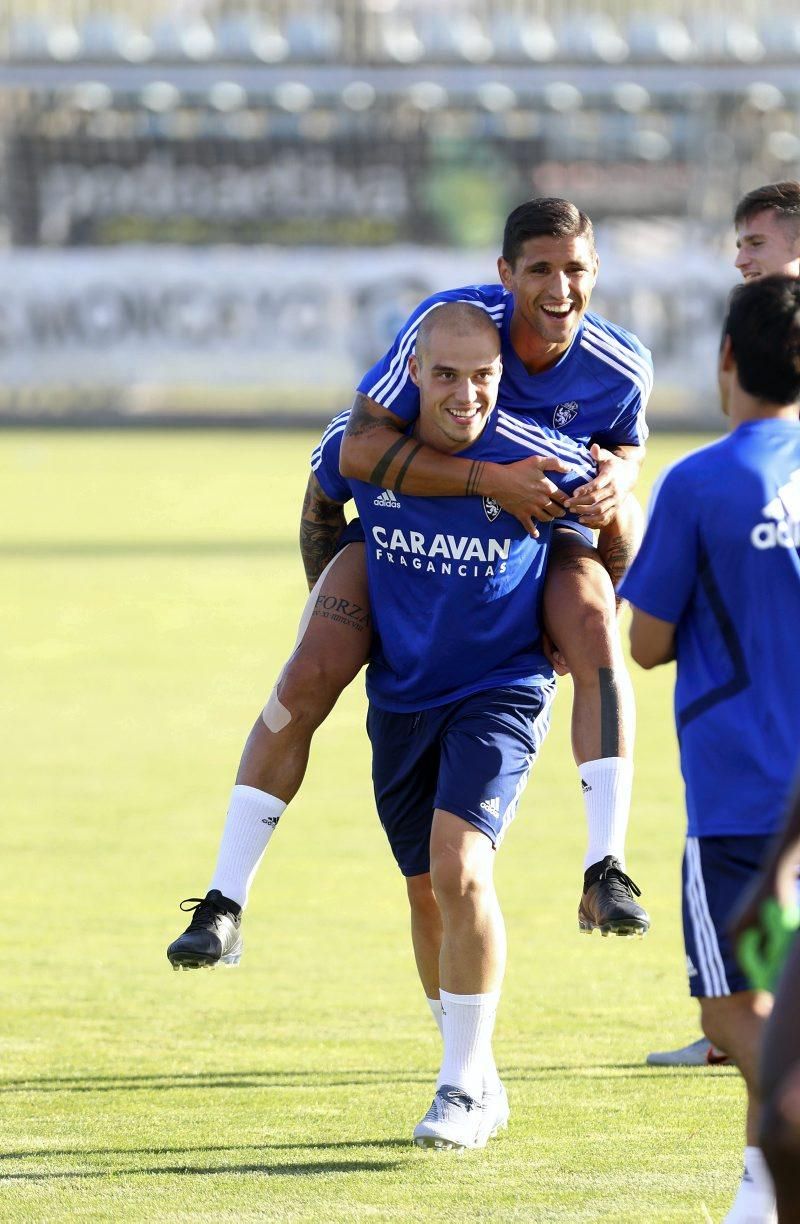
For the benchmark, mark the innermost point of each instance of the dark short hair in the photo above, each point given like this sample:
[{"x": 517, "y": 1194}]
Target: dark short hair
[
  {"x": 763, "y": 322},
  {"x": 781, "y": 198},
  {"x": 462, "y": 318},
  {"x": 546, "y": 217}
]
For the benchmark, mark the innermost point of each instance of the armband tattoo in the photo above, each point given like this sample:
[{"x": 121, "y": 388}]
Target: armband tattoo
[
  {"x": 474, "y": 477},
  {"x": 401, "y": 475},
  {"x": 378, "y": 473}
]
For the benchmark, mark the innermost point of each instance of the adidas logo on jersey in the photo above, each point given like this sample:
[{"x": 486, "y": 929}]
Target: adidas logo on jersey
[
  {"x": 690, "y": 968},
  {"x": 782, "y": 530},
  {"x": 564, "y": 413},
  {"x": 492, "y": 806},
  {"x": 387, "y": 499}
]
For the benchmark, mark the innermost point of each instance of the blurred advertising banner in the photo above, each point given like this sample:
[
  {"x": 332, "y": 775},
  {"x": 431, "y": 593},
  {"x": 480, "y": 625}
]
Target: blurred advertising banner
[{"x": 148, "y": 332}]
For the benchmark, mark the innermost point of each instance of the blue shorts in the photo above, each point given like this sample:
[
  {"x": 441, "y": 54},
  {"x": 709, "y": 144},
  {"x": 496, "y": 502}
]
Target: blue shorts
[
  {"x": 352, "y": 534},
  {"x": 716, "y": 871},
  {"x": 471, "y": 757}
]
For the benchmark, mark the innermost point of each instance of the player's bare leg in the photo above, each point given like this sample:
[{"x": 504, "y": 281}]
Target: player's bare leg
[
  {"x": 736, "y": 1023},
  {"x": 471, "y": 969},
  {"x": 332, "y": 646},
  {"x": 426, "y": 931},
  {"x": 780, "y": 1089},
  {"x": 426, "y": 937},
  {"x": 580, "y": 611}
]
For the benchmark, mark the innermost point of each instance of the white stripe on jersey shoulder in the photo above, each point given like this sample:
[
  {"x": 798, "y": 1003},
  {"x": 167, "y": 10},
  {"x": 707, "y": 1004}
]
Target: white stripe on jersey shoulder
[
  {"x": 636, "y": 379},
  {"x": 534, "y": 435},
  {"x": 316, "y": 456},
  {"x": 544, "y": 446},
  {"x": 338, "y": 423},
  {"x": 627, "y": 356},
  {"x": 334, "y": 424},
  {"x": 495, "y": 312},
  {"x": 614, "y": 341},
  {"x": 331, "y": 432},
  {"x": 398, "y": 368}
]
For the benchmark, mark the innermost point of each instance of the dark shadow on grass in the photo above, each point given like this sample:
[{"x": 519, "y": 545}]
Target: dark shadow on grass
[
  {"x": 312, "y": 1080},
  {"x": 313, "y": 1169},
  {"x": 159, "y": 1150},
  {"x": 53, "y": 550},
  {"x": 309, "y": 1080}
]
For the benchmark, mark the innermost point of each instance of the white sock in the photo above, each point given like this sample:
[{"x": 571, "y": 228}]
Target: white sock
[
  {"x": 468, "y": 1024},
  {"x": 436, "y": 1011},
  {"x": 607, "y": 786},
  {"x": 755, "y": 1198},
  {"x": 251, "y": 821},
  {"x": 491, "y": 1076}
]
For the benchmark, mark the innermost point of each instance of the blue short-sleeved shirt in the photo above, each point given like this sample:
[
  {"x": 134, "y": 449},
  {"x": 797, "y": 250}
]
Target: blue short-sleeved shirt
[
  {"x": 455, "y": 582},
  {"x": 596, "y": 392},
  {"x": 720, "y": 561}
]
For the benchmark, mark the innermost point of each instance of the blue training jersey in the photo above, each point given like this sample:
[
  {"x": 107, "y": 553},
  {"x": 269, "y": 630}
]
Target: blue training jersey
[
  {"x": 455, "y": 582},
  {"x": 596, "y": 392},
  {"x": 720, "y": 561}
]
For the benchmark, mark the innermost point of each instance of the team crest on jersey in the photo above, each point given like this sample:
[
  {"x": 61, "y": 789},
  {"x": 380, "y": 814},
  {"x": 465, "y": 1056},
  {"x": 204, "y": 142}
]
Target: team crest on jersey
[
  {"x": 491, "y": 508},
  {"x": 564, "y": 413}
]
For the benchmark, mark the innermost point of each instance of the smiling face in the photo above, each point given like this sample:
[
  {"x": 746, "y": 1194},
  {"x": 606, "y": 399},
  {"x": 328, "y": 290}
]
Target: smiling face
[
  {"x": 768, "y": 243},
  {"x": 552, "y": 281},
  {"x": 458, "y": 373}
]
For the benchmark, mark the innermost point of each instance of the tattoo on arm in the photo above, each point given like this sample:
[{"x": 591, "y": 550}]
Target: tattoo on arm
[
  {"x": 401, "y": 475},
  {"x": 378, "y": 474},
  {"x": 473, "y": 477},
  {"x": 321, "y": 525},
  {"x": 362, "y": 419}
]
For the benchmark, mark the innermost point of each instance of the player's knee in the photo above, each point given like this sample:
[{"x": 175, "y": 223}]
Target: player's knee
[
  {"x": 306, "y": 690},
  {"x": 422, "y": 899},
  {"x": 589, "y": 638},
  {"x": 456, "y": 879}
]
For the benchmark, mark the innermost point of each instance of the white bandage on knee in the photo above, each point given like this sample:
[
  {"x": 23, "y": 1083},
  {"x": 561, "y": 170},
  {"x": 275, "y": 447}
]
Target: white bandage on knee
[{"x": 275, "y": 716}]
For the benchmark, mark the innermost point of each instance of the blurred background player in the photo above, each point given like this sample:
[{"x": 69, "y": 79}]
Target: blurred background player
[
  {"x": 767, "y": 222},
  {"x": 716, "y": 586},
  {"x": 459, "y": 692},
  {"x": 768, "y": 922},
  {"x": 562, "y": 368}
]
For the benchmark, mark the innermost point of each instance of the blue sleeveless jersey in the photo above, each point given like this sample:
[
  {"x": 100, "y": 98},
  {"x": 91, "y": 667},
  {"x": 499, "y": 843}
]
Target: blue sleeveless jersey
[
  {"x": 596, "y": 392},
  {"x": 455, "y": 582},
  {"x": 720, "y": 561}
]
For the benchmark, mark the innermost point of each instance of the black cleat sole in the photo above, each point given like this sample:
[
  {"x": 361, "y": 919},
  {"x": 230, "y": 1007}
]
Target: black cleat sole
[
  {"x": 624, "y": 930},
  {"x": 196, "y": 963}
]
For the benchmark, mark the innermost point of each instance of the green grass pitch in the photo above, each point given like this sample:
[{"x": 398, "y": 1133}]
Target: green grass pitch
[{"x": 151, "y": 592}]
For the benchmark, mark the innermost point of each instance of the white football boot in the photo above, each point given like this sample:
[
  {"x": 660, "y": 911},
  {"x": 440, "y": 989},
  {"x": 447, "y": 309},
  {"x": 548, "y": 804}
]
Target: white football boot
[
  {"x": 454, "y": 1122},
  {"x": 495, "y": 1114}
]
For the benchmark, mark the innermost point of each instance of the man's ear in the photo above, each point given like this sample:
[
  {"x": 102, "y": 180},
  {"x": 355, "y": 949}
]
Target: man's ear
[
  {"x": 727, "y": 361},
  {"x": 413, "y": 369},
  {"x": 504, "y": 272}
]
